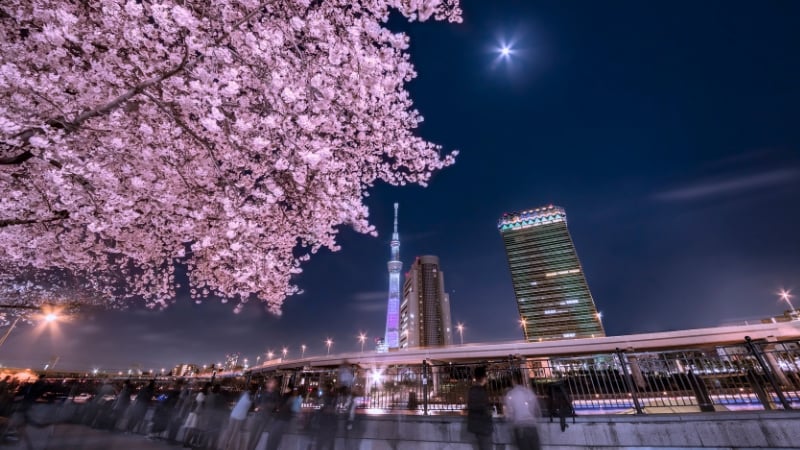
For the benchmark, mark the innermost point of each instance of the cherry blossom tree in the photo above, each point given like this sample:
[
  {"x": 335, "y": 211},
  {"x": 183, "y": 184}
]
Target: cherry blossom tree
[{"x": 228, "y": 138}]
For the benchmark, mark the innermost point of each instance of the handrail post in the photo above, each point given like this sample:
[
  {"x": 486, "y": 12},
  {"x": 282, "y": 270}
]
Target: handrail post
[
  {"x": 425, "y": 367},
  {"x": 767, "y": 371},
  {"x": 628, "y": 382}
]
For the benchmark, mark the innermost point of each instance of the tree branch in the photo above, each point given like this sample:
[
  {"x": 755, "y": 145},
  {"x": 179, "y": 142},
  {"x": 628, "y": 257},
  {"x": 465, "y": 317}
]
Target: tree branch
[
  {"x": 73, "y": 125},
  {"x": 59, "y": 215}
]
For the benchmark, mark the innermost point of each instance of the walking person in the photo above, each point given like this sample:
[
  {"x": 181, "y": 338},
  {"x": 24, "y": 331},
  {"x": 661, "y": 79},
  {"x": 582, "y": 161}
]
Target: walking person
[
  {"x": 138, "y": 409},
  {"x": 326, "y": 419},
  {"x": 521, "y": 409},
  {"x": 283, "y": 417},
  {"x": 121, "y": 404},
  {"x": 346, "y": 382},
  {"x": 193, "y": 436},
  {"x": 234, "y": 438},
  {"x": 479, "y": 413},
  {"x": 267, "y": 404}
]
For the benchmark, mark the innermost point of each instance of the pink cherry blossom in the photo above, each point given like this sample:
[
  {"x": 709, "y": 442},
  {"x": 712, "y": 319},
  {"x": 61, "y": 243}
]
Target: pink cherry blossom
[{"x": 231, "y": 138}]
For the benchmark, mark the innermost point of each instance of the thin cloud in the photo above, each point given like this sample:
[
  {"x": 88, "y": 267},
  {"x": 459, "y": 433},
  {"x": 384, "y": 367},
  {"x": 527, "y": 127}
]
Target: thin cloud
[
  {"x": 369, "y": 301},
  {"x": 369, "y": 307},
  {"x": 370, "y": 296},
  {"x": 729, "y": 186}
]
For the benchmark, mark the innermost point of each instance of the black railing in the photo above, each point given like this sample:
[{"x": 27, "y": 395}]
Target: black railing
[{"x": 753, "y": 375}]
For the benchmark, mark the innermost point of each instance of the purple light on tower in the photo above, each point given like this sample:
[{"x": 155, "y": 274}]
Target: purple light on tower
[{"x": 393, "y": 309}]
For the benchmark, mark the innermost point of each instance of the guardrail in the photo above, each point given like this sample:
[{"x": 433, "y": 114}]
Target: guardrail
[{"x": 748, "y": 376}]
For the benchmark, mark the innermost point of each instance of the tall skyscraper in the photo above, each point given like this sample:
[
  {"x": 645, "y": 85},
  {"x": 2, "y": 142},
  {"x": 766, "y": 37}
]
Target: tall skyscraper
[
  {"x": 552, "y": 295},
  {"x": 393, "y": 310},
  {"x": 425, "y": 311}
]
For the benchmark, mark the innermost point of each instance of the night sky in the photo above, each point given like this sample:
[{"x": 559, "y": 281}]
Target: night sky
[{"x": 669, "y": 131}]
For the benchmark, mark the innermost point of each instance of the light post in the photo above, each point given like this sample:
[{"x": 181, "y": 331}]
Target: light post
[
  {"x": 48, "y": 317},
  {"x": 269, "y": 355},
  {"x": 524, "y": 324},
  {"x": 8, "y": 332},
  {"x": 284, "y": 351},
  {"x": 362, "y": 338},
  {"x": 303, "y": 350},
  {"x": 787, "y": 297},
  {"x": 460, "y": 328},
  {"x": 328, "y": 343}
]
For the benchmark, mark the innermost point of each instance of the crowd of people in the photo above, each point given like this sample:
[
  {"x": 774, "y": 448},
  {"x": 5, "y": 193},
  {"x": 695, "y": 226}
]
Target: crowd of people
[
  {"x": 205, "y": 416},
  {"x": 256, "y": 417}
]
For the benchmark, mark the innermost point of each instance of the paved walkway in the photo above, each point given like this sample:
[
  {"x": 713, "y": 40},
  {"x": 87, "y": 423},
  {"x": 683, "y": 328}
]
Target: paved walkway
[{"x": 79, "y": 437}]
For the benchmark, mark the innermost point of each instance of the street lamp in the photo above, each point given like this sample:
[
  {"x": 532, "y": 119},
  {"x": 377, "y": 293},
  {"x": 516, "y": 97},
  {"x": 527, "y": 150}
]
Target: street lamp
[
  {"x": 524, "y": 324},
  {"x": 48, "y": 318},
  {"x": 787, "y": 297},
  {"x": 362, "y": 338},
  {"x": 303, "y": 351},
  {"x": 460, "y": 328},
  {"x": 8, "y": 332},
  {"x": 269, "y": 354},
  {"x": 328, "y": 343},
  {"x": 284, "y": 351}
]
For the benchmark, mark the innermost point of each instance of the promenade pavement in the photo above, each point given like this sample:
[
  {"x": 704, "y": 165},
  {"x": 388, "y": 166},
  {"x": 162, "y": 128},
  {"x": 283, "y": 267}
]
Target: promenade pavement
[{"x": 80, "y": 437}]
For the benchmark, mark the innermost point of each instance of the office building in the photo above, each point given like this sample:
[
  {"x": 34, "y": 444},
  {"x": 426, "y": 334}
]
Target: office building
[
  {"x": 552, "y": 295},
  {"x": 425, "y": 310}
]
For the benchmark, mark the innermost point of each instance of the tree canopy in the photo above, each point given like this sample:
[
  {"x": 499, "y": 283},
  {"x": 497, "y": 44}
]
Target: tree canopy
[{"x": 228, "y": 137}]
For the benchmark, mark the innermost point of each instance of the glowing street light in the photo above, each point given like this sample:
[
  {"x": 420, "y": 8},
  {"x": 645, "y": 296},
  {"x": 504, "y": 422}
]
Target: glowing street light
[
  {"x": 787, "y": 297},
  {"x": 505, "y": 51},
  {"x": 362, "y": 338},
  {"x": 303, "y": 350},
  {"x": 269, "y": 354},
  {"x": 328, "y": 343},
  {"x": 460, "y": 328},
  {"x": 48, "y": 317},
  {"x": 524, "y": 324},
  {"x": 284, "y": 351}
]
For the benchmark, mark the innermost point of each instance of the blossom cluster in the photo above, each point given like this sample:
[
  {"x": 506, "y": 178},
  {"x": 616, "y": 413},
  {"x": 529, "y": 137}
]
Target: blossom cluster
[{"x": 229, "y": 138}]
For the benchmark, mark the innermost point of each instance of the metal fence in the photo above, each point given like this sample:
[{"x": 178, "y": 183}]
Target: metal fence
[{"x": 763, "y": 375}]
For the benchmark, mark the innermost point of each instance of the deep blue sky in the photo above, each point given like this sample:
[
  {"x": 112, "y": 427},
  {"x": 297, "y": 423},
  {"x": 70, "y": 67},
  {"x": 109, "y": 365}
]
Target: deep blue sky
[{"x": 670, "y": 132}]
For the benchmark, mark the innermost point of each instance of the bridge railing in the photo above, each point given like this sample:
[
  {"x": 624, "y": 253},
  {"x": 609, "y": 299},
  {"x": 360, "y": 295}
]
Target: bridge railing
[{"x": 749, "y": 376}]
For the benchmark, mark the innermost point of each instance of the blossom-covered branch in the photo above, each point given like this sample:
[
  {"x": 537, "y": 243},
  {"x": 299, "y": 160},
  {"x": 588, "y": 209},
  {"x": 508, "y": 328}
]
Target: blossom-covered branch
[{"x": 231, "y": 137}]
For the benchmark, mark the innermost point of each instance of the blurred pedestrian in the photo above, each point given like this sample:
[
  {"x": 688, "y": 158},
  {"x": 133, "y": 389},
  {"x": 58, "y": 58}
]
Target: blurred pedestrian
[
  {"x": 521, "y": 409},
  {"x": 234, "y": 438},
  {"x": 193, "y": 436},
  {"x": 479, "y": 414},
  {"x": 268, "y": 401},
  {"x": 283, "y": 417},
  {"x": 346, "y": 383},
  {"x": 121, "y": 404},
  {"x": 327, "y": 420},
  {"x": 139, "y": 407}
]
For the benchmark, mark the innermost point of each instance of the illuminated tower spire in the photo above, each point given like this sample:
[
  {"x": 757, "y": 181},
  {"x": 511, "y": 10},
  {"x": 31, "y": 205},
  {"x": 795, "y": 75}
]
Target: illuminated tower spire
[{"x": 393, "y": 310}]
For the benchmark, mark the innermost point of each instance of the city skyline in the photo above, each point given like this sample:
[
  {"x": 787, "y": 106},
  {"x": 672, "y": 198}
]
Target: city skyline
[{"x": 676, "y": 154}]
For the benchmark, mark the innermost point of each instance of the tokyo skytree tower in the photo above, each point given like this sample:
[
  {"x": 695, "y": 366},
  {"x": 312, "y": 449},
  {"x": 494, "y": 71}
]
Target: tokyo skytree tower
[{"x": 393, "y": 311}]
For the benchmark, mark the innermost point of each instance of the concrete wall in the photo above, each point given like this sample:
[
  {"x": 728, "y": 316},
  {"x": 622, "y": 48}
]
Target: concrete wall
[{"x": 717, "y": 431}]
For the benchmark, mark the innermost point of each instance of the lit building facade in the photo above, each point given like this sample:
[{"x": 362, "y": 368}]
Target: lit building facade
[
  {"x": 553, "y": 297},
  {"x": 392, "y": 336},
  {"x": 425, "y": 310}
]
